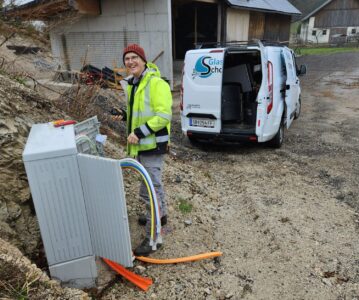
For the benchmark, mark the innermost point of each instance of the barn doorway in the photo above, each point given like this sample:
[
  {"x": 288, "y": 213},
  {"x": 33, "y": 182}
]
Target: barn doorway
[{"x": 193, "y": 22}]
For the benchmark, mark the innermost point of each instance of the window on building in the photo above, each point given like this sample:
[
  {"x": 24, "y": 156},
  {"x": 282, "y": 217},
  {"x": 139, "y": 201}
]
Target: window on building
[
  {"x": 324, "y": 32},
  {"x": 314, "y": 32},
  {"x": 354, "y": 30}
]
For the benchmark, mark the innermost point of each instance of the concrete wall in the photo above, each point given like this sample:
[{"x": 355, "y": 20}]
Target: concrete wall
[{"x": 99, "y": 40}]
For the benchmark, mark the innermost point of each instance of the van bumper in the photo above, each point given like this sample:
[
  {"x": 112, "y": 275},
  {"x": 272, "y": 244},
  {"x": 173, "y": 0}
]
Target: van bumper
[{"x": 222, "y": 137}]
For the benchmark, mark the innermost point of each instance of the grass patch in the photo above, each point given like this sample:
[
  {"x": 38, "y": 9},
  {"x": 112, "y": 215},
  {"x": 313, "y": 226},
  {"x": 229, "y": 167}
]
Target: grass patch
[
  {"x": 15, "y": 284},
  {"x": 184, "y": 206},
  {"x": 325, "y": 50},
  {"x": 21, "y": 80}
]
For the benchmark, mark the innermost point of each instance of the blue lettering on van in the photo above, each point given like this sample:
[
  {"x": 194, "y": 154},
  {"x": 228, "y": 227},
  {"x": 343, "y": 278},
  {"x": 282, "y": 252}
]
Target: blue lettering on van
[{"x": 206, "y": 66}]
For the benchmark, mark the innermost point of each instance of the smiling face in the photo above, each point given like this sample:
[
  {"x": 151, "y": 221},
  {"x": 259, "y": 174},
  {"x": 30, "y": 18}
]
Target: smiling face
[{"x": 134, "y": 64}]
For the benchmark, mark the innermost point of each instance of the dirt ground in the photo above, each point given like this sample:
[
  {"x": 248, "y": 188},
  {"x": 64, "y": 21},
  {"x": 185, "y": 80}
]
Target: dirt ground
[{"x": 286, "y": 220}]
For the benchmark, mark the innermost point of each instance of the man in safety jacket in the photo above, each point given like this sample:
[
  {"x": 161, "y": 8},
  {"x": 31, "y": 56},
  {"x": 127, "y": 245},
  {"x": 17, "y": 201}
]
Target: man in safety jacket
[{"x": 149, "y": 113}]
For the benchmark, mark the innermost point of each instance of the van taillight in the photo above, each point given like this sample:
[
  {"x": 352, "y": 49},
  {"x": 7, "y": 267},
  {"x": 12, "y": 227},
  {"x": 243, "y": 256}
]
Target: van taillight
[
  {"x": 181, "y": 90},
  {"x": 270, "y": 87},
  {"x": 253, "y": 138}
]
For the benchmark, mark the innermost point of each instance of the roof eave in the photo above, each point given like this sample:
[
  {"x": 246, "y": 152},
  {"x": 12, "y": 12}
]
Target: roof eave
[
  {"x": 315, "y": 11},
  {"x": 265, "y": 10}
]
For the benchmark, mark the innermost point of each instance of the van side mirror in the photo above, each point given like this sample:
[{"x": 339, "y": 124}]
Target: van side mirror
[{"x": 302, "y": 70}]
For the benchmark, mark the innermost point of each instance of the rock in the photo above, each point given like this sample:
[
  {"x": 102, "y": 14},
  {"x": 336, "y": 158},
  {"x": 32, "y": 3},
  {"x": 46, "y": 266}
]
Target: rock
[
  {"x": 140, "y": 269},
  {"x": 327, "y": 281},
  {"x": 4, "y": 214},
  {"x": 220, "y": 295},
  {"x": 188, "y": 222},
  {"x": 6, "y": 231},
  {"x": 229, "y": 295},
  {"x": 14, "y": 210},
  {"x": 105, "y": 275},
  {"x": 207, "y": 291}
]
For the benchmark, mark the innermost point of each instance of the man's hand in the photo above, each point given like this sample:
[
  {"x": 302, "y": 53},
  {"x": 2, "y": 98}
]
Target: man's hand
[
  {"x": 132, "y": 138},
  {"x": 117, "y": 114},
  {"x": 116, "y": 118}
]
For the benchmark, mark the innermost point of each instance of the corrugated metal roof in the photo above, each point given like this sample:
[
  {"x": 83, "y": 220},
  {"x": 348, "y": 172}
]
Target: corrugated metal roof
[{"x": 277, "y": 6}]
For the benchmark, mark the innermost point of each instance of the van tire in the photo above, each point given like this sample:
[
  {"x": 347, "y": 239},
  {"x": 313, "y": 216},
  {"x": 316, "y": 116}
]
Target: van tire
[
  {"x": 277, "y": 141},
  {"x": 298, "y": 109}
]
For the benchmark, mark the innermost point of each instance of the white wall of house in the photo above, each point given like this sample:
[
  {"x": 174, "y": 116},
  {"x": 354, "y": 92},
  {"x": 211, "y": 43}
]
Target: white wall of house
[
  {"x": 237, "y": 24},
  {"x": 99, "y": 40},
  {"x": 353, "y": 31},
  {"x": 309, "y": 33}
]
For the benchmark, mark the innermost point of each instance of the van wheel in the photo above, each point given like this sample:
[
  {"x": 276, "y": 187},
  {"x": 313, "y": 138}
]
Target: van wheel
[
  {"x": 298, "y": 109},
  {"x": 277, "y": 141}
]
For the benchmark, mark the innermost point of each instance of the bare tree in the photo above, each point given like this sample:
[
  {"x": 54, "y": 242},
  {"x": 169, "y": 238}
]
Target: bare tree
[{"x": 318, "y": 32}]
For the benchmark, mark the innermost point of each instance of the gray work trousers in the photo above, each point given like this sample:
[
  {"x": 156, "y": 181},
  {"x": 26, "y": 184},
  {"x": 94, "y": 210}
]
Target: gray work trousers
[{"x": 153, "y": 164}]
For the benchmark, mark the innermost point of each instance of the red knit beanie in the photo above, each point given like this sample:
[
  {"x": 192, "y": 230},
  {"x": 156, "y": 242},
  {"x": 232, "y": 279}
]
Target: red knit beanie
[{"x": 136, "y": 49}]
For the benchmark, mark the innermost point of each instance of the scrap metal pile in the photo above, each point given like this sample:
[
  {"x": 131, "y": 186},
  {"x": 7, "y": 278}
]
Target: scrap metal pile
[{"x": 105, "y": 77}]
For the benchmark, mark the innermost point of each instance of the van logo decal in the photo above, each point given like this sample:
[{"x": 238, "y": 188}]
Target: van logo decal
[{"x": 206, "y": 66}]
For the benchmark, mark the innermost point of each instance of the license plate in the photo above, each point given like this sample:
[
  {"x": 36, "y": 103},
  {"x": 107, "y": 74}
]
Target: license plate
[{"x": 202, "y": 122}]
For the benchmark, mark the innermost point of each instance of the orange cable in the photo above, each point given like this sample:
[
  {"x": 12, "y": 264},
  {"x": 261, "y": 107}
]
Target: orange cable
[
  {"x": 180, "y": 259},
  {"x": 142, "y": 282}
]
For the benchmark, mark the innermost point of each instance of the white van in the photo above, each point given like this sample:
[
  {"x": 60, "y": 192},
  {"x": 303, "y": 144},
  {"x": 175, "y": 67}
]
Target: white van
[{"x": 241, "y": 92}]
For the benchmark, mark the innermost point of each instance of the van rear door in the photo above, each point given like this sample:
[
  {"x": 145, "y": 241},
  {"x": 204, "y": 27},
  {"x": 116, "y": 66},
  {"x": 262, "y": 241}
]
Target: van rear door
[
  {"x": 202, "y": 88},
  {"x": 292, "y": 86},
  {"x": 263, "y": 126}
]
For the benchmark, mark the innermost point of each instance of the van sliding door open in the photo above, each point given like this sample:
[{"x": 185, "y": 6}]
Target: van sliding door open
[{"x": 242, "y": 77}]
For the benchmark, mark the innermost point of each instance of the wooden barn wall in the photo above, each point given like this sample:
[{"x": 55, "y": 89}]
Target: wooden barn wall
[
  {"x": 277, "y": 27},
  {"x": 237, "y": 24},
  {"x": 339, "y": 13},
  {"x": 256, "y": 25}
]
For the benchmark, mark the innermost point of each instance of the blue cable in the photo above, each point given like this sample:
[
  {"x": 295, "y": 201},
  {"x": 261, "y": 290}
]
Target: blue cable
[{"x": 137, "y": 166}]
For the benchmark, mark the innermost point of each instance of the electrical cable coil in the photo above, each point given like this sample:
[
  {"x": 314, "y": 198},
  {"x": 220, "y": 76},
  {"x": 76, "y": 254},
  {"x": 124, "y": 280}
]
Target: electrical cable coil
[{"x": 133, "y": 164}]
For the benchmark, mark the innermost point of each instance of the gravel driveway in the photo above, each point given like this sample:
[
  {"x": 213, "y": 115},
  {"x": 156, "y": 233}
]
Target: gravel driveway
[{"x": 286, "y": 220}]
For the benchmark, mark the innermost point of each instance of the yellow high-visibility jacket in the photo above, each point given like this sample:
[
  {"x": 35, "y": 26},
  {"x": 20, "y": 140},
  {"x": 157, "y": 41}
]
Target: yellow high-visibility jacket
[{"x": 149, "y": 112}]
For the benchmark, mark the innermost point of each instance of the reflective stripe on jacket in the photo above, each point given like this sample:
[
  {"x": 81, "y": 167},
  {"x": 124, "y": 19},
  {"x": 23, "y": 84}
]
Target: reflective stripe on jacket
[{"x": 151, "y": 111}]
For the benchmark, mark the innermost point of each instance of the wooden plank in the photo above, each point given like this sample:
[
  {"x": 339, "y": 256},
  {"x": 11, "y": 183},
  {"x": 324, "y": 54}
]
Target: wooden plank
[
  {"x": 237, "y": 24},
  {"x": 342, "y": 4},
  {"x": 277, "y": 27},
  {"x": 256, "y": 25},
  {"x": 338, "y": 13},
  {"x": 337, "y": 18},
  {"x": 88, "y": 7}
]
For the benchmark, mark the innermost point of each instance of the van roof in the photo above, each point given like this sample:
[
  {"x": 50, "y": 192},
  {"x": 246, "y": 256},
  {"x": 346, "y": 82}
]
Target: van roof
[{"x": 236, "y": 44}]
